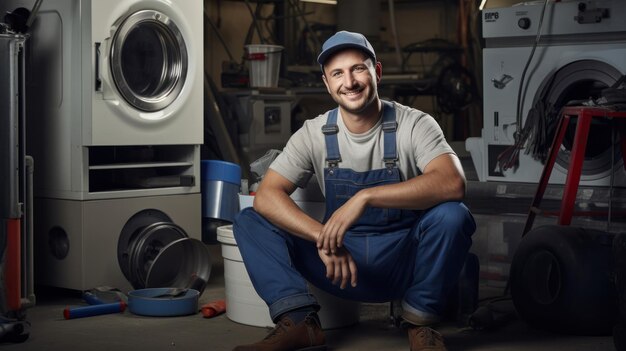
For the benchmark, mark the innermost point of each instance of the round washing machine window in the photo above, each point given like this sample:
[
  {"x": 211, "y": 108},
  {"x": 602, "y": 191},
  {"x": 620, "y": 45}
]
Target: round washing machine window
[
  {"x": 578, "y": 82},
  {"x": 149, "y": 60}
]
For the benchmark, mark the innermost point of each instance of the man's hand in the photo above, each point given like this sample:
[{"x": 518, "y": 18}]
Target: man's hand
[
  {"x": 331, "y": 236},
  {"x": 340, "y": 267}
]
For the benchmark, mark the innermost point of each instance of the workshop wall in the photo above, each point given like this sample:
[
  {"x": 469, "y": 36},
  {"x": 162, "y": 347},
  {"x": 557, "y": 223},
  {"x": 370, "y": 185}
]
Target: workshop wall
[
  {"x": 416, "y": 22},
  {"x": 233, "y": 19}
]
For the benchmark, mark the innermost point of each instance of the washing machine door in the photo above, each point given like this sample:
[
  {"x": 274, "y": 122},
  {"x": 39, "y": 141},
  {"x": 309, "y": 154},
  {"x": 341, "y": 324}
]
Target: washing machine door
[
  {"x": 577, "y": 83},
  {"x": 148, "y": 60}
]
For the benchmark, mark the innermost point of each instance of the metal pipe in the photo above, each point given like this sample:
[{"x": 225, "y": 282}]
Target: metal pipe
[
  {"x": 29, "y": 291},
  {"x": 33, "y": 13}
]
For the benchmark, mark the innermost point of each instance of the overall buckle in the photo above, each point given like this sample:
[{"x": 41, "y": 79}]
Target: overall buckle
[
  {"x": 390, "y": 164},
  {"x": 390, "y": 127},
  {"x": 329, "y": 129},
  {"x": 332, "y": 164}
]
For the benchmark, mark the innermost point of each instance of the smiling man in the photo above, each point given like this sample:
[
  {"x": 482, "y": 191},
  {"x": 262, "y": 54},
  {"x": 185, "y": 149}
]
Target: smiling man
[{"x": 395, "y": 227}]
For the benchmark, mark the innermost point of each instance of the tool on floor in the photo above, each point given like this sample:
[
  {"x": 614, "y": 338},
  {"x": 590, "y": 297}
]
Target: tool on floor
[
  {"x": 93, "y": 310},
  {"x": 92, "y": 299},
  {"x": 103, "y": 294},
  {"x": 173, "y": 292},
  {"x": 213, "y": 308}
]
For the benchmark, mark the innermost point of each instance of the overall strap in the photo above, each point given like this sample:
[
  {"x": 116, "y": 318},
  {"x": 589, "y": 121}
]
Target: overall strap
[
  {"x": 389, "y": 128},
  {"x": 330, "y": 131}
]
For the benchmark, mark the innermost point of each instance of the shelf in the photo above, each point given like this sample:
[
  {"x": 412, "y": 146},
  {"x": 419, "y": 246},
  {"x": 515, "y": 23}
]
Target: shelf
[
  {"x": 140, "y": 165},
  {"x": 124, "y": 168}
]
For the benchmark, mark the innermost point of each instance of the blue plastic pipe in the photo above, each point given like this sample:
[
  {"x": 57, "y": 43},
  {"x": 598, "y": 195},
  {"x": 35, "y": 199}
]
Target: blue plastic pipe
[{"x": 93, "y": 310}]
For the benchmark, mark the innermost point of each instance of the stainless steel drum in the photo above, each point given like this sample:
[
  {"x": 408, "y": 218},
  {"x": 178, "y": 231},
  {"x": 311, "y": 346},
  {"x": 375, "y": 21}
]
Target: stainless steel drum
[{"x": 153, "y": 252}]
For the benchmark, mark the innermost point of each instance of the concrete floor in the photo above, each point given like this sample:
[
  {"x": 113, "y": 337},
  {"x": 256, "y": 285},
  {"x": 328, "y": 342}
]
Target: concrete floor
[{"x": 125, "y": 331}]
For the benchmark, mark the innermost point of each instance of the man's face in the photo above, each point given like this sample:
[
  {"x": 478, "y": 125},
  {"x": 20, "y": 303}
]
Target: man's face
[{"x": 351, "y": 79}]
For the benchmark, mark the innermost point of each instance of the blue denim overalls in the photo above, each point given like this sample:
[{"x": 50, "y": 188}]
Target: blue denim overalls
[{"x": 415, "y": 256}]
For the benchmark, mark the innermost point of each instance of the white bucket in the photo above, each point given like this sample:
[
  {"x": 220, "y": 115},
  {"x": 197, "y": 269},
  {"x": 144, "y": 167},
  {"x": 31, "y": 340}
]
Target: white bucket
[
  {"x": 245, "y": 306},
  {"x": 264, "y": 64}
]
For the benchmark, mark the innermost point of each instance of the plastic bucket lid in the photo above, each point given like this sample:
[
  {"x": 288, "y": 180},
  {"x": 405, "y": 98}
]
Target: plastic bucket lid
[
  {"x": 220, "y": 171},
  {"x": 225, "y": 235}
]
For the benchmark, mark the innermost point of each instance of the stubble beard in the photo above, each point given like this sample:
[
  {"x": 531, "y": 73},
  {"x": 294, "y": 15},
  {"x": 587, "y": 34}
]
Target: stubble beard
[{"x": 349, "y": 106}]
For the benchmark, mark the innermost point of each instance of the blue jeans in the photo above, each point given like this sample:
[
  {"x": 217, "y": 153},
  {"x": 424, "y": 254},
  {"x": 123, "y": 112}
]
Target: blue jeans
[{"x": 419, "y": 265}]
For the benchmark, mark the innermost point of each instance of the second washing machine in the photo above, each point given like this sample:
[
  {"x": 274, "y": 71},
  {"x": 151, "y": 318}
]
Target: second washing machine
[{"x": 580, "y": 52}]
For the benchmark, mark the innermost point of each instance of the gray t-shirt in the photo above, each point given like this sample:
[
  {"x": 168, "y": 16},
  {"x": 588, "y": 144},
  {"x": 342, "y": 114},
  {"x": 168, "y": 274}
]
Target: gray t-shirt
[{"x": 419, "y": 140}]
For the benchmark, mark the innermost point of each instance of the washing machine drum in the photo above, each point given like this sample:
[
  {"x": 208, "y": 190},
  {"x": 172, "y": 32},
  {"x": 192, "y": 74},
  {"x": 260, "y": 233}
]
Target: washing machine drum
[
  {"x": 153, "y": 252},
  {"x": 148, "y": 60},
  {"x": 576, "y": 83}
]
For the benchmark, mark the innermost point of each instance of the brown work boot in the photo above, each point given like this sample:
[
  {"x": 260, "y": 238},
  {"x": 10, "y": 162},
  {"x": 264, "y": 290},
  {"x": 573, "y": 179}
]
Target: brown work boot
[
  {"x": 425, "y": 339},
  {"x": 287, "y": 336}
]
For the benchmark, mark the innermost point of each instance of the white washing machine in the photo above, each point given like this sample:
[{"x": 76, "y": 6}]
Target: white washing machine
[
  {"x": 112, "y": 74},
  {"x": 132, "y": 69},
  {"x": 582, "y": 50},
  {"x": 115, "y": 124}
]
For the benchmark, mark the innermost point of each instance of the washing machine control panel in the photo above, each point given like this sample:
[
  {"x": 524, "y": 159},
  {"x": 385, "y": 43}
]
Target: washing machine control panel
[{"x": 560, "y": 18}]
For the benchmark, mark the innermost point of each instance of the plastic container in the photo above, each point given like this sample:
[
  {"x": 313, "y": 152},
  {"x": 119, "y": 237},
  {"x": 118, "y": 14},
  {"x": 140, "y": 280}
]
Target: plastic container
[
  {"x": 159, "y": 303},
  {"x": 264, "y": 66},
  {"x": 245, "y": 306}
]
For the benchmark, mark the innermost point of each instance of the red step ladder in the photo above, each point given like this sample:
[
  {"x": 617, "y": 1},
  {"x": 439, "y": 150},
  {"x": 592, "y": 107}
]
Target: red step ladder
[{"x": 584, "y": 116}]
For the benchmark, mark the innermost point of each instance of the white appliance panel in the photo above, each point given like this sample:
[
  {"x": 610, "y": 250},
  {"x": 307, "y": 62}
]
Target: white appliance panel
[
  {"x": 93, "y": 229},
  {"x": 591, "y": 51}
]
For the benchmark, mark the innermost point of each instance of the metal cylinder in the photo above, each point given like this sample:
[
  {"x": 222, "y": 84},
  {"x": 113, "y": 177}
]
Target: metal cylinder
[{"x": 12, "y": 172}]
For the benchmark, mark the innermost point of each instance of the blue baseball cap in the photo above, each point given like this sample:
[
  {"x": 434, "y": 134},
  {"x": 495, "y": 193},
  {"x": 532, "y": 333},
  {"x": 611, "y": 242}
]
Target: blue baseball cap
[{"x": 345, "y": 40}]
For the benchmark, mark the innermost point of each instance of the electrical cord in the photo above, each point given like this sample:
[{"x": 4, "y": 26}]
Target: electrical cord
[
  {"x": 219, "y": 36},
  {"x": 510, "y": 157},
  {"x": 301, "y": 14},
  {"x": 492, "y": 315},
  {"x": 254, "y": 22},
  {"x": 489, "y": 316}
]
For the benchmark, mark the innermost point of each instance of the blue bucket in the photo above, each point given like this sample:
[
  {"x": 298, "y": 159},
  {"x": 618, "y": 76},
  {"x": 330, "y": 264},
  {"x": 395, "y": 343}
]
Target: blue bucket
[{"x": 221, "y": 183}]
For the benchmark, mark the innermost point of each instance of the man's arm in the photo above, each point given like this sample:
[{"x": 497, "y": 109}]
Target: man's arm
[
  {"x": 442, "y": 180},
  {"x": 273, "y": 202}
]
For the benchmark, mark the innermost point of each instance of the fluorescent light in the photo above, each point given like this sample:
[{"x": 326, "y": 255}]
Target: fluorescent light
[
  {"x": 327, "y": 2},
  {"x": 482, "y": 4}
]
